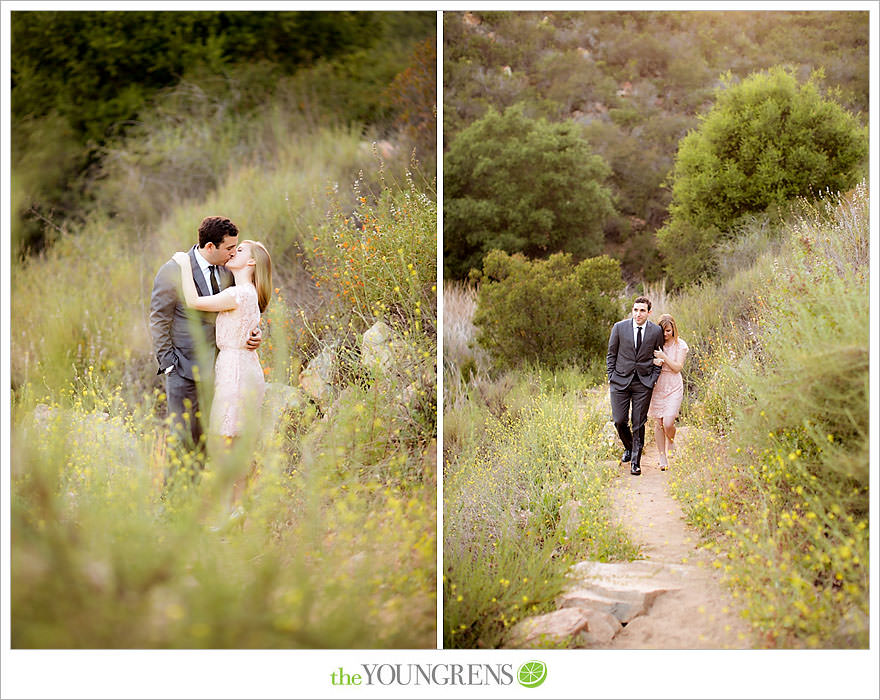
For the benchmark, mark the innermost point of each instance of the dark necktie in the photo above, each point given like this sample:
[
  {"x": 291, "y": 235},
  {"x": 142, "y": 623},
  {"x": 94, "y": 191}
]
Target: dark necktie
[
  {"x": 215, "y": 288},
  {"x": 639, "y": 338}
]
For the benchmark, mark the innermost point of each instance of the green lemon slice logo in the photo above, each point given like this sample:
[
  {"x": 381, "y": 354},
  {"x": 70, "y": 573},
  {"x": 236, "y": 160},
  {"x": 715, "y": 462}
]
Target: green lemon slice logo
[{"x": 532, "y": 673}]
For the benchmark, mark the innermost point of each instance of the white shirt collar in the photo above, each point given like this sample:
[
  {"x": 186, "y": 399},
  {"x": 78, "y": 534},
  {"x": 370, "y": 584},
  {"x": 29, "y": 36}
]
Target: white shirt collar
[
  {"x": 203, "y": 264},
  {"x": 636, "y": 325}
]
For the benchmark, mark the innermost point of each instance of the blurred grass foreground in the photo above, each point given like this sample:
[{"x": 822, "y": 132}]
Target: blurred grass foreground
[{"x": 339, "y": 545}]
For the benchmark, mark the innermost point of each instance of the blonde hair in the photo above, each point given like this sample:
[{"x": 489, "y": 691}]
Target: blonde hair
[
  {"x": 667, "y": 321},
  {"x": 262, "y": 273}
]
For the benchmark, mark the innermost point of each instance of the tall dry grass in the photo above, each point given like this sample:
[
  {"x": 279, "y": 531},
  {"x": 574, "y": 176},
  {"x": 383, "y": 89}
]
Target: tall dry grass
[{"x": 463, "y": 358}]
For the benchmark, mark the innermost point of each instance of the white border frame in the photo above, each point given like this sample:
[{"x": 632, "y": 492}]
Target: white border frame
[{"x": 572, "y": 674}]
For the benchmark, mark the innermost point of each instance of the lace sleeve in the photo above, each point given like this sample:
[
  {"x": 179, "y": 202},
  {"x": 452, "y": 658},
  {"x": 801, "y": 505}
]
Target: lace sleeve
[{"x": 682, "y": 350}]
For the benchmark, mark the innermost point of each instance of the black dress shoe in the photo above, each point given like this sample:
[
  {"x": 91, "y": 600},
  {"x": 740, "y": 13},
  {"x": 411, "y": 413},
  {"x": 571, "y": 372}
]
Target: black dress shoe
[
  {"x": 636, "y": 470},
  {"x": 627, "y": 456}
]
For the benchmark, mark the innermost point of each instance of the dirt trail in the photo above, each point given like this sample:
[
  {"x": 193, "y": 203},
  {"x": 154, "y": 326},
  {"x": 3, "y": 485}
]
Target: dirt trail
[{"x": 701, "y": 614}]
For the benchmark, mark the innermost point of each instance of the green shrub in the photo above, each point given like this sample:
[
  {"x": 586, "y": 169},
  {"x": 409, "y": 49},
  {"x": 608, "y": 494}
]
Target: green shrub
[
  {"x": 521, "y": 185},
  {"x": 767, "y": 140},
  {"x": 378, "y": 263},
  {"x": 549, "y": 311}
]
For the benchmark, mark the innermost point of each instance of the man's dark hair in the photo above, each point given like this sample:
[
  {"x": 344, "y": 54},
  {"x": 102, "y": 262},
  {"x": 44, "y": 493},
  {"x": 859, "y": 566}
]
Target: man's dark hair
[
  {"x": 643, "y": 300},
  {"x": 214, "y": 229}
]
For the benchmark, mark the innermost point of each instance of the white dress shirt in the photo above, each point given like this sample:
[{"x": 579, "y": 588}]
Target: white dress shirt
[
  {"x": 636, "y": 331},
  {"x": 203, "y": 266}
]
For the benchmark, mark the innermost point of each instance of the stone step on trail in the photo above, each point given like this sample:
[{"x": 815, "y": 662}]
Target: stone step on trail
[
  {"x": 640, "y": 569},
  {"x": 625, "y": 590},
  {"x": 599, "y": 601},
  {"x": 582, "y": 626},
  {"x": 623, "y": 610}
]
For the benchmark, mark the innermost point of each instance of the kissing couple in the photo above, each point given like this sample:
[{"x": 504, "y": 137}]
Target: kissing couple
[{"x": 204, "y": 321}]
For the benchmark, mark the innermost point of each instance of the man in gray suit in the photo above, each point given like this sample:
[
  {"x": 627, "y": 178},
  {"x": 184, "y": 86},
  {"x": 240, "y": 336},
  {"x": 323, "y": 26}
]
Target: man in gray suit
[
  {"x": 631, "y": 376},
  {"x": 186, "y": 361}
]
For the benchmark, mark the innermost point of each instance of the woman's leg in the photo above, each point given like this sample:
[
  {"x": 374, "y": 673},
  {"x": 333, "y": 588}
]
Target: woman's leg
[
  {"x": 240, "y": 485},
  {"x": 660, "y": 441},
  {"x": 669, "y": 430},
  {"x": 223, "y": 447}
]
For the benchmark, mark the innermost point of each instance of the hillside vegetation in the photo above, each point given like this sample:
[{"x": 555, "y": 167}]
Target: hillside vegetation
[
  {"x": 339, "y": 545},
  {"x": 777, "y": 480},
  {"x": 632, "y": 85}
]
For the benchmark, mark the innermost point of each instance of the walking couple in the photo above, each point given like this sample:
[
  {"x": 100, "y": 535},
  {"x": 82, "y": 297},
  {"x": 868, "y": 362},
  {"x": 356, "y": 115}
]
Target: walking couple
[
  {"x": 228, "y": 282},
  {"x": 644, "y": 364}
]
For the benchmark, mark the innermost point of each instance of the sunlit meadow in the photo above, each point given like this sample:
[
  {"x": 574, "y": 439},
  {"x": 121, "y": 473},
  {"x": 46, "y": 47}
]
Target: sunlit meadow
[{"x": 338, "y": 548}]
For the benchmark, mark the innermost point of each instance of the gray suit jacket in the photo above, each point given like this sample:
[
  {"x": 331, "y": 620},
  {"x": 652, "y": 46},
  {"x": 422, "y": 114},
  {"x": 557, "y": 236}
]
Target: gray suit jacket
[
  {"x": 170, "y": 321},
  {"x": 624, "y": 364}
]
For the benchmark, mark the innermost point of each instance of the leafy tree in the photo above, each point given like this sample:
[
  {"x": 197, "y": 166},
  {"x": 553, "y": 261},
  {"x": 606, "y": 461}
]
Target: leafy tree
[
  {"x": 521, "y": 185},
  {"x": 766, "y": 140},
  {"x": 98, "y": 68},
  {"x": 549, "y": 311}
]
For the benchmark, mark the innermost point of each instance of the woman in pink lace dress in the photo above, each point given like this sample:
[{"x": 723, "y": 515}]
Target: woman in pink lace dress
[
  {"x": 669, "y": 389},
  {"x": 238, "y": 377}
]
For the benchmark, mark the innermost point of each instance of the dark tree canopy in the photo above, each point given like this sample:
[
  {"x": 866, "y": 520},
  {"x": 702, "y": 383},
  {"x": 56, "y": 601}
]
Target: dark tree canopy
[
  {"x": 96, "y": 68},
  {"x": 84, "y": 79},
  {"x": 521, "y": 185}
]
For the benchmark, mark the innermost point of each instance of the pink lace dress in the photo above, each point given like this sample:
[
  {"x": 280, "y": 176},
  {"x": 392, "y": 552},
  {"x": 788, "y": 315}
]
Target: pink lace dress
[
  {"x": 669, "y": 389},
  {"x": 238, "y": 377}
]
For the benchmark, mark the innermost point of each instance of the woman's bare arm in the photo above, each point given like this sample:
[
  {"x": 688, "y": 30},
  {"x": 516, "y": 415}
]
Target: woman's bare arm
[
  {"x": 223, "y": 301},
  {"x": 669, "y": 362}
]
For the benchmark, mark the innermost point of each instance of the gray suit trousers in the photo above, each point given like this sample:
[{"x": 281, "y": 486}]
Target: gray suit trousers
[
  {"x": 636, "y": 397},
  {"x": 183, "y": 407}
]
